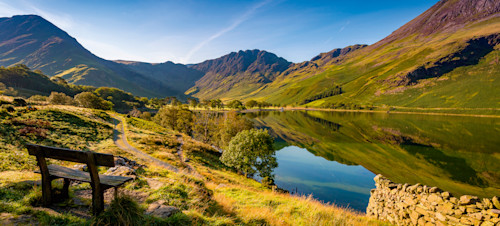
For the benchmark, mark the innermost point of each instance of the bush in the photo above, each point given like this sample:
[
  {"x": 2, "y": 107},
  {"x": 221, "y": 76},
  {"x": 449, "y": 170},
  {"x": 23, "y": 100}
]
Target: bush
[
  {"x": 60, "y": 99},
  {"x": 9, "y": 108},
  {"x": 19, "y": 102},
  {"x": 37, "y": 98},
  {"x": 90, "y": 100}
]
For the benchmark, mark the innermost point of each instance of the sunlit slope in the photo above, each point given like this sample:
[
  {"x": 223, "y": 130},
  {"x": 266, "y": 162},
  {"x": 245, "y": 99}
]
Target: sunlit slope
[{"x": 451, "y": 65}]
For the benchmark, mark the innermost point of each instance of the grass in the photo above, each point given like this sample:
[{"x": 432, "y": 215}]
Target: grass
[{"x": 220, "y": 196}]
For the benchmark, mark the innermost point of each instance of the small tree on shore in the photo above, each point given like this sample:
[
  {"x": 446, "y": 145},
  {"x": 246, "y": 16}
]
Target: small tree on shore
[{"x": 251, "y": 151}]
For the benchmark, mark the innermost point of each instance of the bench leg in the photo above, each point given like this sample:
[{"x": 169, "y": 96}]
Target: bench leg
[
  {"x": 97, "y": 201},
  {"x": 65, "y": 190},
  {"x": 46, "y": 191},
  {"x": 116, "y": 192}
]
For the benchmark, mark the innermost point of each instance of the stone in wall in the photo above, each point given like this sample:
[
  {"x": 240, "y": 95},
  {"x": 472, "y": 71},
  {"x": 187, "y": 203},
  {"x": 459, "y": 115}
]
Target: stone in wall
[{"x": 405, "y": 204}]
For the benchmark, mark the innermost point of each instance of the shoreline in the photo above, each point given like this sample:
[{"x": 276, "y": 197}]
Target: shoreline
[{"x": 372, "y": 111}]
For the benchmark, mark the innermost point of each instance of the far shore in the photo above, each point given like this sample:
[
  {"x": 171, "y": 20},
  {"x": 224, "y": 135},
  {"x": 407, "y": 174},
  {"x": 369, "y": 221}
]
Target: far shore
[{"x": 394, "y": 111}]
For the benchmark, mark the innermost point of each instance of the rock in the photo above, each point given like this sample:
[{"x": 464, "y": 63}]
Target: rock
[
  {"x": 421, "y": 221},
  {"x": 159, "y": 210},
  {"x": 414, "y": 217},
  {"x": 81, "y": 167},
  {"x": 467, "y": 199},
  {"x": 493, "y": 212},
  {"x": 121, "y": 171},
  {"x": 434, "y": 190},
  {"x": 433, "y": 198},
  {"x": 445, "y": 194},
  {"x": 487, "y": 203},
  {"x": 122, "y": 161},
  {"x": 465, "y": 220},
  {"x": 496, "y": 202},
  {"x": 377, "y": 178},
  {"x": 440, "y": 217},
  {"x": 446, "y": 208},
  {"x": 421, "y": 211},
  {"x": 487, "y": 223},
  {"x": 477, "y": 216}
]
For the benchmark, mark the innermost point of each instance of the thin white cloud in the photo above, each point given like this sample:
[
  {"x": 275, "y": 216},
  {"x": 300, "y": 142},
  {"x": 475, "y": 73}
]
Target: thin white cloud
[
  {"x": 231, "y": 27},
  {"x": 345, "y": 25},
  {"x": 63, "y": 21}
]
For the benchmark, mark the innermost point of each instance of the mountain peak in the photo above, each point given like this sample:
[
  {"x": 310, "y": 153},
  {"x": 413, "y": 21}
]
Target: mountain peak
[
  {"x": 446, "y": 16},
  {"x": 254, "y": 61}
]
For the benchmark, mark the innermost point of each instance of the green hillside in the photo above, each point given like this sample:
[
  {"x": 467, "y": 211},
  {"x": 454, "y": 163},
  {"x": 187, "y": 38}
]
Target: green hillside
[
  {"x": 237, "y": 74},
  {"x": 39, "y": 44},
  {"x": 26, "y": 82},
  {"x": 448, "y": 57}
]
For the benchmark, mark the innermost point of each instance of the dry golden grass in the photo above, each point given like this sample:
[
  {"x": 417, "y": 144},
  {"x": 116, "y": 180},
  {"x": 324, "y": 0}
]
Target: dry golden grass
[{"x": 267, "y": 207}]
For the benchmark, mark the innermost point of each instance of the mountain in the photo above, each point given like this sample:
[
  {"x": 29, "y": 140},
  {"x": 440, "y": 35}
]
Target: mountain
[
  {"x": 446, "y": 57},
  {"x": 37, "y": 43},
  {"x": 237, "y": 74},
  {"x": 178, "y": 77}
]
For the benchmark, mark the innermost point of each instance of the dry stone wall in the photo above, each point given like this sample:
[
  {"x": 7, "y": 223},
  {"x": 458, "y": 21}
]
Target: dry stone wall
[{"x": 405, "y": 204}]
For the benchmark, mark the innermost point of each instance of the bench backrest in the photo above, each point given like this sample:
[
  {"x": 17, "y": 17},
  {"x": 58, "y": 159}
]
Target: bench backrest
[{"x": 70, "y": 155}]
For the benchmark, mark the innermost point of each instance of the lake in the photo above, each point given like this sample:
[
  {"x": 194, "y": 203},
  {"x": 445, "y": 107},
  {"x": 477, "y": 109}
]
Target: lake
[{"x": 334, "y": 155}]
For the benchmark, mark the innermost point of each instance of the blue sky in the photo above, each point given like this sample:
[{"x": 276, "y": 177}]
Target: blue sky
[{"x": 191, "y": 31}]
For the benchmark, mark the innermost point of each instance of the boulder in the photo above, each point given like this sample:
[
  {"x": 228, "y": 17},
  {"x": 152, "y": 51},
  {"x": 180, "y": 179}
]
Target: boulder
[
  {"x": 81, "y": 167},
  {"x": 158, "y": 209},
  {"x": 121, "y": 171},
  {"x": 496, "y": 202},
  {"x": 467, "y": 199},
  {"x": 122, "y": 161}
]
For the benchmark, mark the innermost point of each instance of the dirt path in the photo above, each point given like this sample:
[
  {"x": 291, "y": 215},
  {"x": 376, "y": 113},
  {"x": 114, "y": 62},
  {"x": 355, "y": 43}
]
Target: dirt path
[
  {"x": 185, "y": 161},
  {"x": 120, "y": 140}
]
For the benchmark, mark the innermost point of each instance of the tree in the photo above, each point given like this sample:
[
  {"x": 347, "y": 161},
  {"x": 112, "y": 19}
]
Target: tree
[
  {"x": 193, "y": 102},
  {"x": 251, "y": 103},
  {"x": 175, "y": 118},
  {"x": 251, "y": 151},
  {"x": 217, "y": 103},
  {"x": 135, "y": 113},
  {"x": 228, "y": 126},
  {"x": 236, "y": 104},
  {"x": 146, "y": 116},
  {"x": 90, "y": 100},
  {"x": 60, "y": 99},
  {"x": 121, "y": 100}
]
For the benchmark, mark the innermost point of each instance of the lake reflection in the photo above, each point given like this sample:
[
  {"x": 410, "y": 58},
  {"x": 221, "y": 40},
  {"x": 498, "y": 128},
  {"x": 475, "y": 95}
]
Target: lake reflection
[
  {"x": 329, "y": 181},
  {"x": 340, "y": 153}
]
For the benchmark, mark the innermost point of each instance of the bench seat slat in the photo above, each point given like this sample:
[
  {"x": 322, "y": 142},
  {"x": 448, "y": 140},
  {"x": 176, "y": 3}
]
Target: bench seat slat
[{"x": 64, "y": 172}]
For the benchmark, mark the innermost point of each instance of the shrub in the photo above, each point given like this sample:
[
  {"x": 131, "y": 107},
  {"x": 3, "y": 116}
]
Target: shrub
[
  {"x": 60, "y": 98},
  {"x": 90, "y": 100},
  {"x": 19, "y": 102}
]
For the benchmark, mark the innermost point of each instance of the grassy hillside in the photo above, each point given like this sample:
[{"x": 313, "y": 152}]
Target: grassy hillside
[
  {"x": 448, "y": 57},
  {"x": 217, "y": 196},
  {"x": 39, "y": 44},
  {"x": 236, "y": 74},
  {"x": 178, "y": 77},
  {"x": 377, "y": 75}
]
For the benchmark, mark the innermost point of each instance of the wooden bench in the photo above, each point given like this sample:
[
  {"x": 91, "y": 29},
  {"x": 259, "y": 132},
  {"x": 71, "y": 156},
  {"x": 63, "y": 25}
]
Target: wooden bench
[{"x": 98, "y": 182}]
